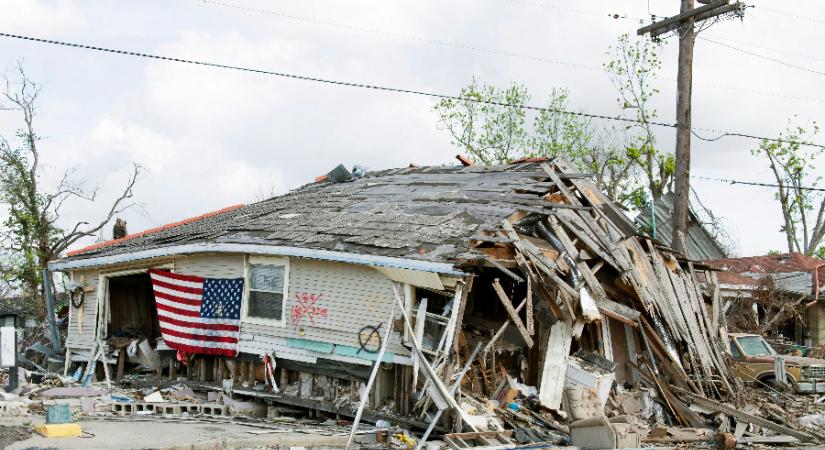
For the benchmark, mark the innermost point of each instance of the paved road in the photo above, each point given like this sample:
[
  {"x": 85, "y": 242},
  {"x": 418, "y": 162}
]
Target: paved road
[{"x": 168, "y": 435}]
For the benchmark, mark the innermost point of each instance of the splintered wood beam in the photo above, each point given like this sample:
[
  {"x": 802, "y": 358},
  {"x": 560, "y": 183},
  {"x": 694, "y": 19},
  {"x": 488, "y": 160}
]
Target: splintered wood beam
[
  {"x": 500, "y": 331},
  {"x": 530, "y": 326},
  {"x": 555, "y": 364},
  {"x": 508, "y": 305},
  {"x": 560, "y": 184},
  {"x": 554, "y": 306},
  {"x": 506, "y": 271}
]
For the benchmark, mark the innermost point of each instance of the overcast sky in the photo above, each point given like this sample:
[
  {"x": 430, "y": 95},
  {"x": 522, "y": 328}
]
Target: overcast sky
[{"x": 209, "y": 138}]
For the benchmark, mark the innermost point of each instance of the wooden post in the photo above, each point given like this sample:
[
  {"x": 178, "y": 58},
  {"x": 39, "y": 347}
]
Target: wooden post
[
  {"x": 683, "y": 23},
  {"x": 201, "y": 369},
  {"x": 121, "y": 362},
  {"x": 684, "y": 79}
]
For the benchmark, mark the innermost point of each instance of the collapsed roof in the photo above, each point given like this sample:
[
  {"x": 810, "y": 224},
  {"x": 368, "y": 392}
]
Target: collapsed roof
[{"x": 427, "y": 213}]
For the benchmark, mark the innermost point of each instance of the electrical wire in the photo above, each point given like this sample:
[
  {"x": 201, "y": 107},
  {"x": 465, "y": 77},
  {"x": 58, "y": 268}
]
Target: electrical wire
[
  {"x": 389, "y": 88},
  {"x": 795, "y": 16},
  {"x": 756, "y": 183},
  {"x": 770, "y": 49},
  {"x": 395, "y": 35},
  {"x": 574, "y": 10},
  {"x": 760, "y": 56}
]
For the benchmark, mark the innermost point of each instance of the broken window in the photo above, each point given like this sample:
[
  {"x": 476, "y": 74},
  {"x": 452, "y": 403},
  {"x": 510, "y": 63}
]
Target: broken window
[
  {"x": 267, "y": 288},
  {"x": 437, "y": 316}
]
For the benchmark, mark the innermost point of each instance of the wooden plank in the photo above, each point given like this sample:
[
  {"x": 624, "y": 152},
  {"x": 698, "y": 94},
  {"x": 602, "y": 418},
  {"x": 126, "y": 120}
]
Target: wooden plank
[
  {"x": 561, "y": 185},
  {"x": 595, "y": 242},
  {"x": 597, "y": 199},
  {"x": 555, "y": 364},
  {"x": 745, "y": 417},
  {"x": 687, "y": 415},
  {"x": 501, "y": 330},
  {"x": 505, "y": 270},
  {"x": 529, "y": 314},
  {"x": 511, "y": 311}
]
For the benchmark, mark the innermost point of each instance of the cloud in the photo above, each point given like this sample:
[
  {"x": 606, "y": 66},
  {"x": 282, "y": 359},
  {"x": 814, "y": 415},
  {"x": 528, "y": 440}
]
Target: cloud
[
  {"x": 212, "y": 137},
  {"x": 36, "y": 16}
]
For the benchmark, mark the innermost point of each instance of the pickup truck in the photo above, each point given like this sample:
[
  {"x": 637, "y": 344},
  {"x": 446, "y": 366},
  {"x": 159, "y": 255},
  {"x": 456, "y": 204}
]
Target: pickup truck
[{"x": 754, "y": 362}]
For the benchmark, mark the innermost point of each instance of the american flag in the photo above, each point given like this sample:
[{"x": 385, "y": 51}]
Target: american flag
[{"x": 196, "y": 314}]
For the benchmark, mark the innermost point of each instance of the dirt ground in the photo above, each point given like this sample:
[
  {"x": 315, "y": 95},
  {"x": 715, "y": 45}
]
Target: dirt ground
[{"x": 9, "y": 434}]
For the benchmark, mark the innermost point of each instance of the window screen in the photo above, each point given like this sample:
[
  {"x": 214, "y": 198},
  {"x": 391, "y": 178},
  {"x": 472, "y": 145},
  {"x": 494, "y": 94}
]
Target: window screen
[{"x": 266, "y": 291}]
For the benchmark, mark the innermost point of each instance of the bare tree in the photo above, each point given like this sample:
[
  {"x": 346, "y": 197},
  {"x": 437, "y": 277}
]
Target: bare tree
[
  {"x": 31, "y": 234},
  {"x": 631, "y": 68},
  {"x": 793, "y": 164}
]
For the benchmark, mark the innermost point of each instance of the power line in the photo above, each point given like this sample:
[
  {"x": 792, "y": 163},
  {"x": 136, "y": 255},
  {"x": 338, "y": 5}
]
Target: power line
[
  {"x": 756, "y": 183},
  {"x": 771, "y": 49},
  {"x": 760, "y": 56},
  {"x": 795, "y": 16},
  {"x": 392, "y": 34},
  {"x": 383, "y": 88},
  {"x": 613, "y": 15}
]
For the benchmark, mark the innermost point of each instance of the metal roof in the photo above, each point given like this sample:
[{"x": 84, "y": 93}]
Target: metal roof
[{"x": 700, "y": 244}]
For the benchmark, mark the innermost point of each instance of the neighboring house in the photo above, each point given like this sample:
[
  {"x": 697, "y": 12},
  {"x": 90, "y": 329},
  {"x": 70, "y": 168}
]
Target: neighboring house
[
  {"x": 701, "y": 245},
  {"x": 794, "y": 275}
]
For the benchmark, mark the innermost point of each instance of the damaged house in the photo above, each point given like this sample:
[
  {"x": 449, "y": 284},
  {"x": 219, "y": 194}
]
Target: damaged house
[
  {"x": 782, "y": 291},
  {"x": 466, "y": 281}
]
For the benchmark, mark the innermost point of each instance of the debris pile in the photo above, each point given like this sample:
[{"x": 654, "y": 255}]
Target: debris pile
[{"x": 608, "y": 336}]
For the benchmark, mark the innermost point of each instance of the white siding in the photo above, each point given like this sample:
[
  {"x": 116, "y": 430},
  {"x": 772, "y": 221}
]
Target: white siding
[
  {"x": 211, "y": 266},
  {"x": 75, "y": 339},
  {"x": 353, "y": 297}
]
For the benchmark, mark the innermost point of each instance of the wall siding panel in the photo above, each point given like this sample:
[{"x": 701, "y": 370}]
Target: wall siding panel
[
  {"x": 346, "y": 299},
  {"x": 84, "y": 341},
  {"x": 211, "y": 266}
]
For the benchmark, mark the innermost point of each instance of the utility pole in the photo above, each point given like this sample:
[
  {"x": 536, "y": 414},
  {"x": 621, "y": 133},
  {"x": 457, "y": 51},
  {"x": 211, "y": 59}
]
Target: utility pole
[{"x": 684, "y": 24}]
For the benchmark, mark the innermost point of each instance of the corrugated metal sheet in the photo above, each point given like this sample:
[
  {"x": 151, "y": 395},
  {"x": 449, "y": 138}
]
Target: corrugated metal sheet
[
  {"x": 800, "y": 283},
  {"x": 701, "y": 245}
]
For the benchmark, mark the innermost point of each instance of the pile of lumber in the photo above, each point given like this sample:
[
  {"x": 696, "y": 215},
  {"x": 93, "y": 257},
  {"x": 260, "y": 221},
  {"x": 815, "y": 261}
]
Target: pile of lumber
[{"x": 583, "y": 262}]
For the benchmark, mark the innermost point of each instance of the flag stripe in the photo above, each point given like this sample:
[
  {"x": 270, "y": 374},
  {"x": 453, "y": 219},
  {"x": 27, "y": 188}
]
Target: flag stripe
[
  {"x": 174, "y": 287},
  {"x": 175, "y": 299},
  {"x": 198, "y": 337},
  {"x": 202, "y": 350},
  {"x": 169, "y": 315},
  {"x": 169, "y": 321},
  {"x": 177, "y": 276},
  {"x": 179, "y": 294},
  {"x": 177, "y": 308}
]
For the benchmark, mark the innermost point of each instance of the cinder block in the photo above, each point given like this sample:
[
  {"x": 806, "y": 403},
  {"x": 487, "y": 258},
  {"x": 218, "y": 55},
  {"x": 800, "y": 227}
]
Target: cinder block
[
  {"x": 215, "y": 409},
  {"x": 140, "y": 407}
]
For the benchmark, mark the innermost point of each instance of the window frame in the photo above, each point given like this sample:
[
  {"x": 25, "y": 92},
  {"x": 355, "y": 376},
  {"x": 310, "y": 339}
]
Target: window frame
[{"x": 264, "y": 261}]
